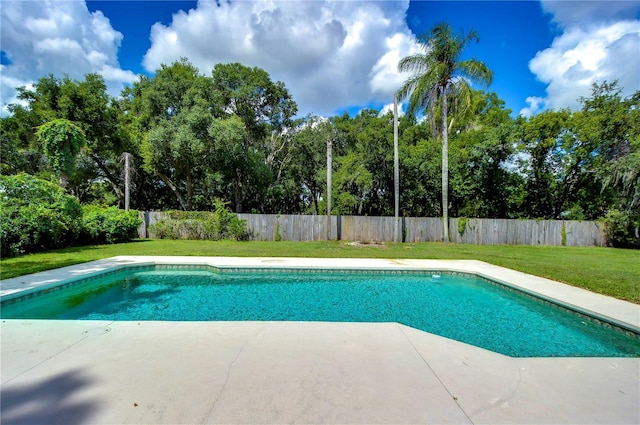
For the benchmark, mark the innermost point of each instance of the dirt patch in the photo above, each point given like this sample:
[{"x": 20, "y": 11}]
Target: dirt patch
[{"x": 368, "y": 244}]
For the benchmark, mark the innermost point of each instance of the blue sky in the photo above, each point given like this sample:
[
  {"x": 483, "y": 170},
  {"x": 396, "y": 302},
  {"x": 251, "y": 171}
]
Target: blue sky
[{"x": 333, "y": 56}]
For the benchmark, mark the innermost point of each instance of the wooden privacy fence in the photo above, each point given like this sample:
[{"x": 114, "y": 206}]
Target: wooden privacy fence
[{"x": 479, "y": 231}]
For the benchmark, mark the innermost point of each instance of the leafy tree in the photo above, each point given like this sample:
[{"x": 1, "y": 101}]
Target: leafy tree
[
  {"x": 610, "y": 126},
  {"x": 440, "y": 77},
  {"x": 419, "y": 171},
  {"x": 307, "y": 168},
  {"x": 483, "y": 185},
  {"x": 62, "y": 141},
  {"x": 263, "y": 105},
  {"x": 86, "y": 104},
  {"x": 171, "y": 114},
  {"x": 266, "y": 109},
  {"x": 539, "y": 139},
  {"x": 484, "y": 182},
  {"x": 235, "y": 159},
  {"x": 174, "y": 150},
  {"x": 364, "y": 176}
]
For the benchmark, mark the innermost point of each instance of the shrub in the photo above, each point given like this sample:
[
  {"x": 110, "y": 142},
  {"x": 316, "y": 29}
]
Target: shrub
[
  {"x": 36, "y": 215},
  {"x": 109, "y": 224},
  {"x": 216, "y": 225},
  {"x": 620, "y": 229}
]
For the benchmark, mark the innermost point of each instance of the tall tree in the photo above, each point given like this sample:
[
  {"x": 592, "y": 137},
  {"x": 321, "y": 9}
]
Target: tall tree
[
  {"x": 440, "y": 77},
  {"x": 483, "y": 182},
  {"x": 170, "y": 114},
  {"x": 266, "y": 109},
  {"x": 610, "y": 126}
]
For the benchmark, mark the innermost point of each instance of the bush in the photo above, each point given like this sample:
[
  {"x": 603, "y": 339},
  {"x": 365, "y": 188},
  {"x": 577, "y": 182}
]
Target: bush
[
  {"x": 216, "y": 225},
  {"x": 620, "y": 229},
  {"x": 110, "y": 224},
  {"x": 36, "y": 215}
]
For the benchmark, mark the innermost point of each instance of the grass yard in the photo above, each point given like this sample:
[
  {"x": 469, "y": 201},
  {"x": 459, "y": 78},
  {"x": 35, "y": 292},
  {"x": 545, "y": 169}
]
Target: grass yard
[{"x": 608, "y": 271}]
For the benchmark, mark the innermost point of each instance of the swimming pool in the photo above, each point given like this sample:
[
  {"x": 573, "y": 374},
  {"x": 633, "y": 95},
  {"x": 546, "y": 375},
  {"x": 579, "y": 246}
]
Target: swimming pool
[{"x": 464, "y": 308}]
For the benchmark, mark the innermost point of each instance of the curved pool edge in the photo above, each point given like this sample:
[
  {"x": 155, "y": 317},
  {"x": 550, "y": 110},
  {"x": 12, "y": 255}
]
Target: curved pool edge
[{"x": 615, "y": 311}]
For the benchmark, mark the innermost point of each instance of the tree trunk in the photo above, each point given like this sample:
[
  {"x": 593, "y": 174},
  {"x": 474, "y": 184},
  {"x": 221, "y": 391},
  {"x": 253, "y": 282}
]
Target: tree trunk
[
  {"x": 113, "y": 181},
  {"x": 329, "y": 183},
  {"x": 185, "y": 206},
  {"x": 237, "y": 191},
  {"x": 445, "y": 169},
  {"x": 396, "y": 173},
  {"x": 127, "y": 176}
]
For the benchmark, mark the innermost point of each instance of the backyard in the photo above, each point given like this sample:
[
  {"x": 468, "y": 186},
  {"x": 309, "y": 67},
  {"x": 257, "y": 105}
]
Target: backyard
[{"x": 608, "y": 271}]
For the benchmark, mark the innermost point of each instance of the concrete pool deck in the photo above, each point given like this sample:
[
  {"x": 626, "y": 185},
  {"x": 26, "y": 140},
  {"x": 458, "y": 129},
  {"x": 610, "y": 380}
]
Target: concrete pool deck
[{"x": 94, "y": 372}]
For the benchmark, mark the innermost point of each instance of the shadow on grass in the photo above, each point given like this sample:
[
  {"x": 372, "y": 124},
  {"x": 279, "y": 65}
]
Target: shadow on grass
[
  {"x": 24, "y": 267},
  {"x": 80, "y": 248},
  {"x": 37, "y": 262},
  {"x": 53, "y": 400}
]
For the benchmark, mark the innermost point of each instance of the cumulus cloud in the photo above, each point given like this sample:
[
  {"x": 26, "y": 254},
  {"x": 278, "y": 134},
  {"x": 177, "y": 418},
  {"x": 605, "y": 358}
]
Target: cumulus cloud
[
  {"x": 59, "y": 38},
  {"x": 327, "y": 52},
  {"x": 586, "y": 13},
  {"x": 599, "y": 41},
  {"x": 388, "y": 108}
]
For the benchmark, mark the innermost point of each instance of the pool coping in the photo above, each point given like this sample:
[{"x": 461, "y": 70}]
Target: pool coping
[
  {"x": 609, "y": 309},
  {"x": 104, "y": 372}
]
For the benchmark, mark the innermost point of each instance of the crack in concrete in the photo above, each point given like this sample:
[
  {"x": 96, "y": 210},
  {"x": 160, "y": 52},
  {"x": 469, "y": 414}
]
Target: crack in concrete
[
  {"x": 453, "y": 397},
  {"x": 224, "y": 385},
  {"x": 85, "y": 334},
  {"x": 500, "y": 400}
]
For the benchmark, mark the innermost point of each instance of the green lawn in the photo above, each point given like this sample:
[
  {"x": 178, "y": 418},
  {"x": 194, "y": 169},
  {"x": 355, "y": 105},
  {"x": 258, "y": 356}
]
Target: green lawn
[{"x": 608, "y": 271}]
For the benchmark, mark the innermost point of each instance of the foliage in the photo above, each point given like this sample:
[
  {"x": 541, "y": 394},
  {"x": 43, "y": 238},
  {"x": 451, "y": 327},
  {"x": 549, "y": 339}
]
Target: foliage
[
  {"x": 540, "y": 139},
  {"x": 621, "y": 229},
  {"x": 216, "y": 225},
  {"x": 232, "y": 134},
  {"x": 462, "y": 225},
  {"x": 87, "y": 105},
  {"x": 173, "y": 115},
  {"x": 220, "y": 136},
  {"x": 61, "y": 140},
  {"x": 36, "y": 215},
  {"x": 249, "y": 93},
  {"x": 482, "y": 151},
  {"x": 109, "y": 225}
]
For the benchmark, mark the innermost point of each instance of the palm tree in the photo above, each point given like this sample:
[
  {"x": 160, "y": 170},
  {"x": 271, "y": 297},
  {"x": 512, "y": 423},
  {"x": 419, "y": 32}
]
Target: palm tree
[{"x": 440, "y": 77}]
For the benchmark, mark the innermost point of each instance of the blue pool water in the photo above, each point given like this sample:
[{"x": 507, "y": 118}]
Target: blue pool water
[{"x": 462, "y": 308}]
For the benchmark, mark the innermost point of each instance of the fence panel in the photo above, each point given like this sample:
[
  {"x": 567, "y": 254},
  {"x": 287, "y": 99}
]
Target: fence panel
[
  {"x": 485, "y": 231},
  {"x": 148, "y": 219},
  {"x": 366, "y": 228},
  {"x": 584, "y": 233},
  {"x": 422, "y": 229},
  {"x": 272, "y": 227}
]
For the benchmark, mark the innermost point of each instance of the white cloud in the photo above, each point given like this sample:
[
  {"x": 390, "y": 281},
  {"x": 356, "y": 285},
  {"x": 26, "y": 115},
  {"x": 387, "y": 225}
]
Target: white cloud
[
  {"x": 327, "y": 52},
  {"x": 585, "y": 13},
  {"x": 536, "y": 104},
  {"x": 389, "y": 108},
  {"x": 59, "y": 38},
  {"x": 596, "y": 44},
  {"x": 384, "y": 76}
]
